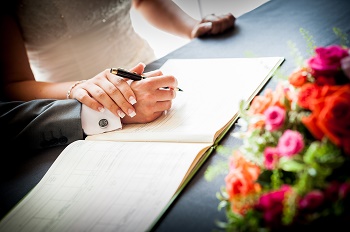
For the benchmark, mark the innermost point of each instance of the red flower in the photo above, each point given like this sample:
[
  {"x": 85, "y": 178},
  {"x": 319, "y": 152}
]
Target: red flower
[
  {"x": 312, "y": 200},
  {"x": 331, "y": 116},
  {"x": 271, "y": 204},
  {"x": 308, "y": 93}
]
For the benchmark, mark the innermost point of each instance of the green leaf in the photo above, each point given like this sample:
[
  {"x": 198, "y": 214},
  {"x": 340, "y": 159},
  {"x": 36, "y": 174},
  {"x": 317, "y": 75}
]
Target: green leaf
[
  {"x": 216, "y": 170},
  {"x": 290, "y": 165}
]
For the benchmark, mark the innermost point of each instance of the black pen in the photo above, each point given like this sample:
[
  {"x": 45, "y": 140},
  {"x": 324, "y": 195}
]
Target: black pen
[{"x": 132, "y": 75}]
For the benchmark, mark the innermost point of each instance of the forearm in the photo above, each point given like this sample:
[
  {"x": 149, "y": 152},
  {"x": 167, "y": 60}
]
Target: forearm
[
  {"x": 40, "y": 124},
  {"x": 30, "y": 90},
  {"x": 166, "y": 16}
]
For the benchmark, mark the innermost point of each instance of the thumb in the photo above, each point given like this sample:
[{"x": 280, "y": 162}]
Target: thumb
[
  {"x": 139, "y": 68},
  {"x": 201, "y": 29}
]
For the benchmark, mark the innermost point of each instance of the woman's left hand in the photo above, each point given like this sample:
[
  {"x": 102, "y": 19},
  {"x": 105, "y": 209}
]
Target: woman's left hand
[{"x": 213, "y": 24}]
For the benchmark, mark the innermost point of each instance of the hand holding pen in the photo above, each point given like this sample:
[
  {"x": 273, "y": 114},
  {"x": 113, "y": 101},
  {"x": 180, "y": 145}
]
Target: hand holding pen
[
  {"x": 133, "y": 76},
  {"x": 149, "y": 89}
]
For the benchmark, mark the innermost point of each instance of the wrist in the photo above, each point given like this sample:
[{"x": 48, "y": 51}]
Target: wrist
[{"x": 69, "y": 92}]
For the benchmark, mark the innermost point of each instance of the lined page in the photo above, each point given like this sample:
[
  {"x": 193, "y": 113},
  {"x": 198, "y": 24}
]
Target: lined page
[{"x": 104, "y": 186}]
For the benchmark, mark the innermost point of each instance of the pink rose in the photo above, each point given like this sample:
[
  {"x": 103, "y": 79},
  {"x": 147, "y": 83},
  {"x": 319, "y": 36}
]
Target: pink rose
[
  {"x": 271, "y": 157},
  {"x": 290, "y": 143},
  {"x": 274, "y": 117},
  {"x": 326, "y": 62}
]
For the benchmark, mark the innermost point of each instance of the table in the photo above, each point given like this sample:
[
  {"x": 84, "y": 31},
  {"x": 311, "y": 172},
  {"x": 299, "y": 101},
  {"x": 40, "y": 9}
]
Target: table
[{"x": 264, "y": 31}]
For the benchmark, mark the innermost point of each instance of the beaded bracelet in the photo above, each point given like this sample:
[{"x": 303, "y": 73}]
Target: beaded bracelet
[{"x": 71, "y": 88}]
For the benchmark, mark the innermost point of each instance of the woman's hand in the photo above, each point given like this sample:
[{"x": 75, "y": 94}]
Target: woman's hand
[
  {"x": 152, "y": 98},
  {"x": 109, "y": 91},
  {"x": 213, "y": 24}
]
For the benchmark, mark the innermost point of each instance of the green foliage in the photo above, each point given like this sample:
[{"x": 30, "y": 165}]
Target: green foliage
[
  {"x": 216, "y": 170},
  {"x": 295, "y": 53},
  {"x": 344, "y": 41},
  {"x": 221, "y": 167},
  {"x": 309, "y": 41}
]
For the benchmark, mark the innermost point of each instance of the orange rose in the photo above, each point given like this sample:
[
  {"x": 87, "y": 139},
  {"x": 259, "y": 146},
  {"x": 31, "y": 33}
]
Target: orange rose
[
  {"x": 271, "y": 98},
  {"x": 261, "y": 103},
  {"x": 298, "y": 78},
  {"x": 241, "y": 181},
  {"x": 307, "y": 94}
]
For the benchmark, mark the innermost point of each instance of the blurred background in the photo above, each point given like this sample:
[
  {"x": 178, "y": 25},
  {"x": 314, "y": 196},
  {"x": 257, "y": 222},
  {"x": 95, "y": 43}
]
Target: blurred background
[{"x": 163, "y": 43}]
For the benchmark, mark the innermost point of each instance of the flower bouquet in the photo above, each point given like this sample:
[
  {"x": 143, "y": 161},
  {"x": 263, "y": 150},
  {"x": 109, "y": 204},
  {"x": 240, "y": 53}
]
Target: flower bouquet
[{"x": 293, "y": 167}]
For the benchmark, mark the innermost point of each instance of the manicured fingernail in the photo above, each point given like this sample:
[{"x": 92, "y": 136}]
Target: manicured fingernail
[
  {"x": 121, "y": 114},
  {"x": 208, "y": 25},
  {"x": 132, "y": 100},
  {"x": 101, "y": 109},
  {"x": 131, "y": 113}
]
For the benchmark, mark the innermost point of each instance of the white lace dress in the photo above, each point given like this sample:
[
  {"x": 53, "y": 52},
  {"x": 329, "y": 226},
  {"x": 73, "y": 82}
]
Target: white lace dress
[{"x": 69, "y": 40}]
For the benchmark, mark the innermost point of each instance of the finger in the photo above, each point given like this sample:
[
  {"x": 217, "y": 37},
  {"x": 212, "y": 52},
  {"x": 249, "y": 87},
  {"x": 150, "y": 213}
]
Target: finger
[
  {"x": 165, "y": 94},
  {"x": 201, "y": 29},
  {"x": 99, "y": 94},
  {"x": 153, "y": 73},
  {"x": 159, "y": 82},
  {"x": 82, "y": 96},
  {"x": 121, "y": 94},
  {"x": 142, "y": 119},
  {"x": 120, "y": 85},
  {"x": 219, "y": 23},
  {"x": 139, "y": 68},
  {"x": 217, "y": 27},
  {"x": 162, "y": 106}
]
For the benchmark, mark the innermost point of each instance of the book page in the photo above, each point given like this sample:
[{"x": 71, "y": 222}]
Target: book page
[
  {"x": 104, "y": 186},
  {"x": 213, "y": 89}
]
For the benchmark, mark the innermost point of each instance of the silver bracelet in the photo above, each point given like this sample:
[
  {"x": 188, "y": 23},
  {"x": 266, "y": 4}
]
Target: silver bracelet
[{"x": 71, "y": 88}]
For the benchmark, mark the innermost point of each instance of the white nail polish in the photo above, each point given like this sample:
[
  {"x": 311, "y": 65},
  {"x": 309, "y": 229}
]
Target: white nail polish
[
  {"x": 208, "y": 25},
  {"x": 132, "y": 100},
  {"x": 121, "y": 114},
  {"x": 101, "y": 109},
  {"x": 131, "y": 113}
]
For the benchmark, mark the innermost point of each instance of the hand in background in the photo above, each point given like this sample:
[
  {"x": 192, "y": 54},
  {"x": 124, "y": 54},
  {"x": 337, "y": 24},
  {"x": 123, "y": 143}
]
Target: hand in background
[
  {"x": 213, "y": 24},
  {"x": 152, "y": 99}
]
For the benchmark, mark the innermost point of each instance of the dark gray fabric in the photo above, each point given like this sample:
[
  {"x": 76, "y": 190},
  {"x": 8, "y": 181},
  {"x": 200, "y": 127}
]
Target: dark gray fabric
[{"x": 39, "y": 124}]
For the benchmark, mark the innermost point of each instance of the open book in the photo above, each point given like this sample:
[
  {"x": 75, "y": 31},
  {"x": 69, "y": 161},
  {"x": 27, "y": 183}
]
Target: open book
[{"x": 124, "y": 180}]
